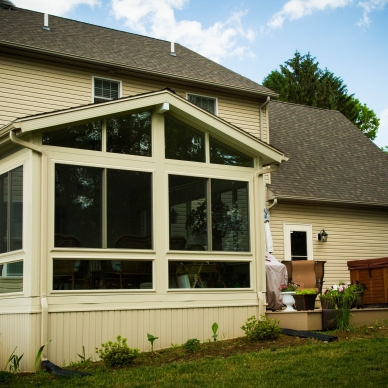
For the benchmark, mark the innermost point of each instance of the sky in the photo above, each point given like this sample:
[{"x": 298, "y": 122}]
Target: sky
[{"x": 253, "y": 37}]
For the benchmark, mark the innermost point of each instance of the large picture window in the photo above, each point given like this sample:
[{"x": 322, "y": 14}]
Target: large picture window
[
  {"x": 11, "y": 210},
  {"x": 193, "y": 227},
  {"x": 102, "y": 208}
]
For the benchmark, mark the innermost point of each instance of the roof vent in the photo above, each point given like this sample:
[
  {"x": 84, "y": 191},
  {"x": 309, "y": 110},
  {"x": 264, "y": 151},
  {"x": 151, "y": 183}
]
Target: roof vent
[
  {"x": 46, "y": 22},
  {"x": 172, "y": 53},
  {"x": 6, "y": 4}
]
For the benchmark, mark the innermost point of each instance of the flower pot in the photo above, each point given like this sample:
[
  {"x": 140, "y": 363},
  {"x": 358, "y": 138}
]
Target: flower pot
[
  {"x": 358, "y": 303},
  {"x": 305, "y": 301},
  {"x": 288, "y": 300}
]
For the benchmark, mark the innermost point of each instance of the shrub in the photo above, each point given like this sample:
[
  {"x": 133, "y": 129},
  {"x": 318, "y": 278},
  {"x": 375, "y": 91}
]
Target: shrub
[
  {"x": 117, "y": 353},
  {"x": 192, "y": 345},
  {"x": 259, "y": 330}
]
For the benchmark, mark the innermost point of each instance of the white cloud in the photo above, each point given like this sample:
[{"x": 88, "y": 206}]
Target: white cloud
[
  {"x": 382, "y": 134},
  {"x": 296, "y": 9},
  {"x": 369, "y": 6},
  {"x": 157, "y": 18},
  {"x": 54, "y": 7}
]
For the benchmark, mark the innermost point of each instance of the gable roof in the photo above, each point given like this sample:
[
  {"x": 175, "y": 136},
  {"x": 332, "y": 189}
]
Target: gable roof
[
  {"x": 115, "y": 50},
  {"x": 330, "y": 159},
  {"x": 163, "y": 100}
]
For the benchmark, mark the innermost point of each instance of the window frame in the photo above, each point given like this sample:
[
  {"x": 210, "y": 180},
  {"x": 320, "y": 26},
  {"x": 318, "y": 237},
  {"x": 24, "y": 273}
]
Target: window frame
[
  {"x": 106, "y": 79},
  {"x": 203, "y": 96},
  {"x": 288, "y": 228}
]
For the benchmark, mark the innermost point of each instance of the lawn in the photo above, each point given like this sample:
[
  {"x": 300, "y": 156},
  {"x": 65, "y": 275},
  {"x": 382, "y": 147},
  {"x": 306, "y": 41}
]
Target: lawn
[{"x": 357, "y": 359}]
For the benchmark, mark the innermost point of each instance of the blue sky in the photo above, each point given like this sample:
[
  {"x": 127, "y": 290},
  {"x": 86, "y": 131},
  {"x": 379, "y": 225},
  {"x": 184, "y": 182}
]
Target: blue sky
[{"x": 349, "y": 37}]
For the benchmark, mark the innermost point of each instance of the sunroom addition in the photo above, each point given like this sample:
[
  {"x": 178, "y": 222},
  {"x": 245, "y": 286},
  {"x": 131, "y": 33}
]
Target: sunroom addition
[{"x": 142, "y": 203}]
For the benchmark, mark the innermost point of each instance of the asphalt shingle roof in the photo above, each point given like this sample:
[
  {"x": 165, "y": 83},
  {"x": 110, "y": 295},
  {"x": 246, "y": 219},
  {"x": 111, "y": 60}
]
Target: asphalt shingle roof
[
  {"x": 330, "y": 159},
  {"x": 77, "y": 40}
]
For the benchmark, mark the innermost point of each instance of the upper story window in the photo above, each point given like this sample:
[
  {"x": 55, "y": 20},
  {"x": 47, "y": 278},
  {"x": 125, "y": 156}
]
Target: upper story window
[
  {"x": 207, "y": 103},
  {"x": 11, "y": 210},
  {"x": 105, "y": 89}
]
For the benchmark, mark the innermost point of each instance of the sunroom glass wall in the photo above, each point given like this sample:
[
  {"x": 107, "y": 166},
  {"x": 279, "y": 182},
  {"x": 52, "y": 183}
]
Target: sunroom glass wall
[{"x": 79, "y": 211}]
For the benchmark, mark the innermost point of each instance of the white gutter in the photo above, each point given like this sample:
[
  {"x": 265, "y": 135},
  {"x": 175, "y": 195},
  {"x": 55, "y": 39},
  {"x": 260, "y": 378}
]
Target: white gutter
[
  {"x": 261, "y": 117},
  {"x": 43, "y": 233}
]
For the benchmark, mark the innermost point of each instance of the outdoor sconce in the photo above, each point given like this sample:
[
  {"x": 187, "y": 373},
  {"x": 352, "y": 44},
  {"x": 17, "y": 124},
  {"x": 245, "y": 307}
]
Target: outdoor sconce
[{"x": 322, "y": 236}]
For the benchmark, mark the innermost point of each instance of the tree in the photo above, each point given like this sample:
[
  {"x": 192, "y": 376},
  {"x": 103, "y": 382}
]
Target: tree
[
  {"x": 301, "y": 81},
  {"x": 385, "y": 149}
]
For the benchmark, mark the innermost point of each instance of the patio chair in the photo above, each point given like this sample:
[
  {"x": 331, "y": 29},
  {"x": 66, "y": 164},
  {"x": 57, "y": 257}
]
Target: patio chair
[
  {"x": 308, "y": 273},
  {"x": 129, "y": 241},
  {"x": 67, "y": 274}
]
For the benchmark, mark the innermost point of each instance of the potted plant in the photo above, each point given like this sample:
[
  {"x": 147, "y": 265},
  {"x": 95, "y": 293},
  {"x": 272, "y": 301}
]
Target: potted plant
[
  {"x": 305, "y": 299},
  {"x": 287, "y": 291}
]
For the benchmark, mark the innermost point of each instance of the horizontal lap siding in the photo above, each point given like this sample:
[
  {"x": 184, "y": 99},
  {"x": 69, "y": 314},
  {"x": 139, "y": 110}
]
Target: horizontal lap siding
[
  {"x": 23, "y": 331},
  {"x": 71, "y": 330},
  {"x": 29, "y": 88},
  {"x": 354, "y": 233}
]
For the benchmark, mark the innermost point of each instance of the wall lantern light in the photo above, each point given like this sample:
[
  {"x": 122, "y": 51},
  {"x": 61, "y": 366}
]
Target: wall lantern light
[{"x": 322, "y": 236}]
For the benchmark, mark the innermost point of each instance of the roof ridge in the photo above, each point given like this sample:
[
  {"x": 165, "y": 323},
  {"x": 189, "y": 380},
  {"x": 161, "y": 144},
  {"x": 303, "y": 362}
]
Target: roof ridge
[{"x": 96, "y": 25}]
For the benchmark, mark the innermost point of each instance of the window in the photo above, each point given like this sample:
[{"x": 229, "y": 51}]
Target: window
[
  {"x": 11, "y": 277},
  {"x": 216, "y": 274},
  {"x": 190, "y": 227},
  {"x": 221, "y": 153},
  {"x": 182, "y": 141},
  {"x": 85, "y": 137},
  {"x": 207, "y": 103},
  {"x": 102, "y": 208},
  {"x": 105, "y": 90},
  {"x": 130, "y": 134},
  {"x": 102, "y": 274},
  {"x": 298, "y": 242},
  {"x": 11, "y": 210}
]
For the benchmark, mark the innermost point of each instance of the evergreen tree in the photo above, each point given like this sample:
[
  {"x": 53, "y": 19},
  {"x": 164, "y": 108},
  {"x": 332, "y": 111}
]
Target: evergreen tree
[{"x": 301, "y": 81}]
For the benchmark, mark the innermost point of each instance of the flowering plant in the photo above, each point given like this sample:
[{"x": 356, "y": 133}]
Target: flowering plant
[
  {"x": 288, "y": 287},
  {"x": 342, "y": 297}
]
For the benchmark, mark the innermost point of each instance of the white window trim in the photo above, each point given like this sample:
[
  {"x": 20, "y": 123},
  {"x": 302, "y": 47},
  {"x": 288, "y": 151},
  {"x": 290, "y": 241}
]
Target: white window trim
[
  {"x": 288, "y": 228},
  {"x": 201, "y": 95},
  {"x": 107, "y": 79}
]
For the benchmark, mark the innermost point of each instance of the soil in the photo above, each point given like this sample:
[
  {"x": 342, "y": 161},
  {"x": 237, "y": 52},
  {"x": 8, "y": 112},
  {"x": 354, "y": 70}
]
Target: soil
[{"x": 227, "y": 348}]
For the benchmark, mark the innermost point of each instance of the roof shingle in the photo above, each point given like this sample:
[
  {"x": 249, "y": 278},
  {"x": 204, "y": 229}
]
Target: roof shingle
[
  {"x": 330, "y": 159},
  {"x": 82, "y": 41}
]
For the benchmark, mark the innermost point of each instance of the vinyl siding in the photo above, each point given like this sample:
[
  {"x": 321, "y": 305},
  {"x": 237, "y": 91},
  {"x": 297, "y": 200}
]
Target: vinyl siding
[
  {"x": 23, "y": 331},
  {"x": 69, "y": 331},
  {"x": 354, "y": 233},
  {"x": 29, "y": 87}
]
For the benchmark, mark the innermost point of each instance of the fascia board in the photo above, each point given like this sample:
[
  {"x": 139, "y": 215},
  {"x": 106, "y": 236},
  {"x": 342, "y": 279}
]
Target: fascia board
[{"x": 178, "y": 105}]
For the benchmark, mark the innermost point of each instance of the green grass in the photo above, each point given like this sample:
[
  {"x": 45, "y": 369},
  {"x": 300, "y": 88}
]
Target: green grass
[{"x": 357, "y": 363}]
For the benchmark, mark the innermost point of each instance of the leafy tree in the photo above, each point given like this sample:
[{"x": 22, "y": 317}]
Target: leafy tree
[
  {"x": 385, "y": 149},
  {"x": 301, "y": 81}
]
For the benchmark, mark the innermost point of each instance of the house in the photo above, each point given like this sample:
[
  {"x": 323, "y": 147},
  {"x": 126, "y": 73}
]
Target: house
[
  {"x": 132, "y": 180},
  {"x": 335, "y": 180},
  {"x": 113, "y": 146}
]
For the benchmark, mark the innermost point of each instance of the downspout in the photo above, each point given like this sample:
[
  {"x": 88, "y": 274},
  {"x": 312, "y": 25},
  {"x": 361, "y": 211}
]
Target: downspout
[
  {"x": 43, "y": 239},
  {"x": 261, "y": 294},
  {"x": 261, "y": 117}
]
